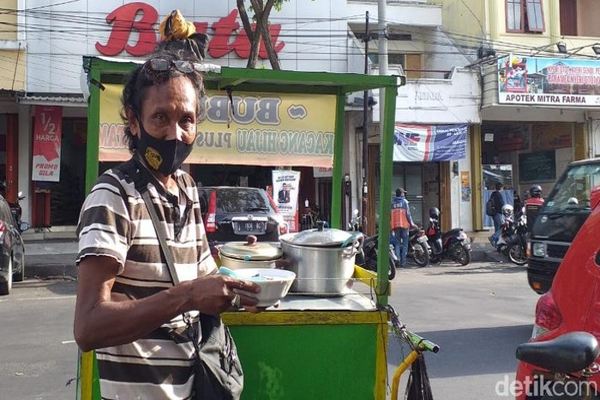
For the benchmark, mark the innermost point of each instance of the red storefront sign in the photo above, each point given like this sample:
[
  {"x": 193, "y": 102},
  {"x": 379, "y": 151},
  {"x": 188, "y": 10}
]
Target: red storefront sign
[
  {"x": 47, "y": 132},
  {"x": 227, "y": 34}
]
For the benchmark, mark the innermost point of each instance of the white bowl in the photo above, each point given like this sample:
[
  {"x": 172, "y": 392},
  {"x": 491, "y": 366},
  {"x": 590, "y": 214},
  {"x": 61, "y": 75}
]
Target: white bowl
[{"x": 274, "y": 283}]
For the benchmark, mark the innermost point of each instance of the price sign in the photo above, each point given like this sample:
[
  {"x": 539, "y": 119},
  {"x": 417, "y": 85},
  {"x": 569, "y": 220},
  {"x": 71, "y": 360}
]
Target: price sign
[{"x": 47, "y": 133}]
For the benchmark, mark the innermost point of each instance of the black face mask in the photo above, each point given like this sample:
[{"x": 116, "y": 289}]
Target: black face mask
[{"x": 164, "y": 156}]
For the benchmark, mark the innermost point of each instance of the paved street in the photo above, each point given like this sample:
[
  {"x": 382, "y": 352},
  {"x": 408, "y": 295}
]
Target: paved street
[
  {"x": 477, "y": 314},
  {"x": 38, "y": 354}
]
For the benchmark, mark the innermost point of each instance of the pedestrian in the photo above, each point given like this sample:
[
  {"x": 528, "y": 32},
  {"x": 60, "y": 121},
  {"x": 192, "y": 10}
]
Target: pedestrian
[
  {"x": 401, "y": 222},
  {"x": 498, "y": 201},
  {"x": 129, "y": 308},
  {"x": 517, "y": 204}
]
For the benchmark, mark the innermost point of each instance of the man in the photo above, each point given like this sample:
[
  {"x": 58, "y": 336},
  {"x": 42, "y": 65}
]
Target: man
[
  {"x": 533, "y": 205},
  {"x": 284, "y": 194},
  {"x": 127, "y": 308},
  {"x": 401, "y": 221},
  {"x": 498, "y": 219}
]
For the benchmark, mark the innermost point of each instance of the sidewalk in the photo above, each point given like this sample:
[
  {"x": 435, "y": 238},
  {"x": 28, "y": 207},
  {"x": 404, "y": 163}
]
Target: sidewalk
[{"x": 52, "y": 254}]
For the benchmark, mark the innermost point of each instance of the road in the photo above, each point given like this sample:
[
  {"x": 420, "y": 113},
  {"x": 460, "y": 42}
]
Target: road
[
  {"x": 477, "y": 314},
  {"x": 37, "y": 352}
]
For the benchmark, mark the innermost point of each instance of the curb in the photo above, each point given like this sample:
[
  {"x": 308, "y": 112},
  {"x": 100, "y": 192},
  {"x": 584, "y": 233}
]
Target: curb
[{"x": 50, "y": 266}]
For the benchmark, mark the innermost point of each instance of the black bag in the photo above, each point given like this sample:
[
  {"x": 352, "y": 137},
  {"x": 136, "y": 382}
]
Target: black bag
[
  {"x": 218, "y": 372},
  {"x": 490, "y": 207},
  {"x": 418, "y": 386}
]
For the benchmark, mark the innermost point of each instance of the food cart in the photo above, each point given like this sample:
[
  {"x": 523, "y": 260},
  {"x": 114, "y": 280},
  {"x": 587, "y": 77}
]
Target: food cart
[{"x": 308, "y": 347}]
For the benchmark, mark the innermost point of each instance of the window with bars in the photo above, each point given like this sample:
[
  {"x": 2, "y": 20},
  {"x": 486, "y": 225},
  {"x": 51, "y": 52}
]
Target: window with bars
[{"x": 524, "y": 16}]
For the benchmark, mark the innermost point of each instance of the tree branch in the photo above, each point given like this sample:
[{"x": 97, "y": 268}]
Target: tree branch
[{"x": 253, "y": 35}]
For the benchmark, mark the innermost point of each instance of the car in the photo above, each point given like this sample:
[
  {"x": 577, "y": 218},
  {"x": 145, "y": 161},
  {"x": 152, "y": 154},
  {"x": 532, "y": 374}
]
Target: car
[
  {"x": 573, "y": 302},
  {"x": 12, "y": 250},
  {"x": 555, "y": 225},
  {"x": 231, "y": 213}
]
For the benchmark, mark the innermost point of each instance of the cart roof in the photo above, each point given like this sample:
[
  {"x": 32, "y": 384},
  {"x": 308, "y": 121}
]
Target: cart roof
[{"x": 264, "y": 80}]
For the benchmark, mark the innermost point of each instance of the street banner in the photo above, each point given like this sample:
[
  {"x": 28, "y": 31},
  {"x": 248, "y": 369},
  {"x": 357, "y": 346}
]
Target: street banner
[
  {"x": 550, "y": 81},
  {"x": 430, "y": 142},
  {"x": 47, "y": 133},
  {"x": 285, "y": 194},
  {"x": 266, "y": 129}
]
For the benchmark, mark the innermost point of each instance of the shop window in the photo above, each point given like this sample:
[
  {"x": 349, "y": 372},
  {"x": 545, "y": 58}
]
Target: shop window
[
  {"x": 579, "y": 18},
  {"x": 410, "y": 63},
  {"x": 525, "y": 16}
]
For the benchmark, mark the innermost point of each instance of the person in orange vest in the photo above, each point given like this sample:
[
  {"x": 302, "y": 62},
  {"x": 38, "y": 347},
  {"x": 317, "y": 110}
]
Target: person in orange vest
[
  {"x": 401, "y": 221},
  {"x": 533, "y": 205}
]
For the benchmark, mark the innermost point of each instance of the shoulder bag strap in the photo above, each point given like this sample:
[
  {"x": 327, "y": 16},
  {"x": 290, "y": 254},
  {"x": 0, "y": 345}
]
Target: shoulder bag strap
[{"x": 161, "y": 235}]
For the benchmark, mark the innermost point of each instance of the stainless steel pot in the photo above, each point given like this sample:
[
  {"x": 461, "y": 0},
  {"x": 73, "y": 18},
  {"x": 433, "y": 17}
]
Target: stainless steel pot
[{"x": 322, "y": 259}]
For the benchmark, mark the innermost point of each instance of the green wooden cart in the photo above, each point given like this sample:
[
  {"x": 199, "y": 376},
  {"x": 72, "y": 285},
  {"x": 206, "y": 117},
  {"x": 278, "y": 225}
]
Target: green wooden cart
[{"x": 308, "y": 348}]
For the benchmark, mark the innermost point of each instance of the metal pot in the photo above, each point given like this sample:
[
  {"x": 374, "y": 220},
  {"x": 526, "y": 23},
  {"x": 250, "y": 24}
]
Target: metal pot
[
  {"x": 249, "y": 254},
  {"x": 322, "y": 259}
]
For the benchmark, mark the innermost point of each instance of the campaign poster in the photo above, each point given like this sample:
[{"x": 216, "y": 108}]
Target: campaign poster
[
  {"x": 285, "y": 194},
  {"x": 47, "y": 133}
]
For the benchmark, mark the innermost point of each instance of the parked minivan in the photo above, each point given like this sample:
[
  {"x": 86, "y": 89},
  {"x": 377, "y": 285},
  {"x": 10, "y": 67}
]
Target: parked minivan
[
  {"x": 565, "y": 210},
  {"x": 571, "y": 305}
]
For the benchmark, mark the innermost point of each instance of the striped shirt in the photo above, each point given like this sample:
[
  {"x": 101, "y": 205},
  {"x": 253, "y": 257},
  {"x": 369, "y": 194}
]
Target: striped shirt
[{"x": 115, "y": 222}]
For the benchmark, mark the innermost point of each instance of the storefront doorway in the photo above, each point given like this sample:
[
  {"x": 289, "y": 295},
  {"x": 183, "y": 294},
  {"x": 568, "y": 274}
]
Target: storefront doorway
[
  {"x": 422, "y": 183},
  {"x": 521, "y": 154},
  {"x": 67, "y": 195}
]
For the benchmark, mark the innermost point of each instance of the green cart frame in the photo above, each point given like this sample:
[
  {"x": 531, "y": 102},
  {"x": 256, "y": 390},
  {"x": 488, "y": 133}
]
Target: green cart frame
[{"x": 327, "y": 354}]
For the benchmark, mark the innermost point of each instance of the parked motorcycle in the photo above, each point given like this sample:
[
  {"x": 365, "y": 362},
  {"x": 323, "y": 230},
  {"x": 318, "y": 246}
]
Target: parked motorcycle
[
  {"x": 565, "y": 361},
  {"x": 512, "y": 241},
  {"x": 367, "y": 257},
  {"x": 517, "y": 242},
  {"x": 454, "y": 245},
  {"x": 418, "y": 247},
  {"x": 17, "y": 212}
]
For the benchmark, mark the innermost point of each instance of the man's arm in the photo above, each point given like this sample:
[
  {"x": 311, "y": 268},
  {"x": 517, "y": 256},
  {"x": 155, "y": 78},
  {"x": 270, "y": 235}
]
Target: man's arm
[{"x": 102, "y": 319}]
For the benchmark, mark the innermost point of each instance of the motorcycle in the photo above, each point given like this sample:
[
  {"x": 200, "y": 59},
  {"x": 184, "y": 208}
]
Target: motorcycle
[
  {"x": 418, "y": 247},
  {"x": 512, "y": 241},
  {"x": 567, "y": 360},
  {"x": 17, "y": 212},
  {"x": 367, "y": 257},
  {"x": 454, "y": 244},
  {"x": 517, "y": 242}
]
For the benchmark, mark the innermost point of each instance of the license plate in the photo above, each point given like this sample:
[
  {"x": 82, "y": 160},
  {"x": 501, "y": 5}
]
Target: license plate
[{"x": 248, "y": 227}]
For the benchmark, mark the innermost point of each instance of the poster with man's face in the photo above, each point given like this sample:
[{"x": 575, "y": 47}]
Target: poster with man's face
[{"x": 285, "y": 193}]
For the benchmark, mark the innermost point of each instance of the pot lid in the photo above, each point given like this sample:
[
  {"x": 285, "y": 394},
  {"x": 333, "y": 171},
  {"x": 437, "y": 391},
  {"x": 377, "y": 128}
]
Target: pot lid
[
  {"x": 251, "y": 250},
  {"x": 320, "y": 237}
]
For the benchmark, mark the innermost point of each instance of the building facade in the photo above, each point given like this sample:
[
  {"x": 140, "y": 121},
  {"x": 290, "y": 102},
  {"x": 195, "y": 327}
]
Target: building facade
[
  {"x": 539, "y": 81},
  {"x": 308, "y": 35}
]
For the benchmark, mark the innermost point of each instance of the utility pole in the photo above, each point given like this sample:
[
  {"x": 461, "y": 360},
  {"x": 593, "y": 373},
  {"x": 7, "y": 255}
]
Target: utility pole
[
  {"x": 365, "y": 132},
  {"x": 383, "y": 52},
  {"x": 383, "y": 70}
]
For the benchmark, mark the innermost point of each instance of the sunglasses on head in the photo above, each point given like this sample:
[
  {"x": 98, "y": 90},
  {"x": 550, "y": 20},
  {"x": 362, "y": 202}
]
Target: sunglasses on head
[{"x": 163, "y": 65}]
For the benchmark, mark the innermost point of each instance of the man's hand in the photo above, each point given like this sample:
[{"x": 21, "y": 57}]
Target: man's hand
[{"x": 215, "y": 293}]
